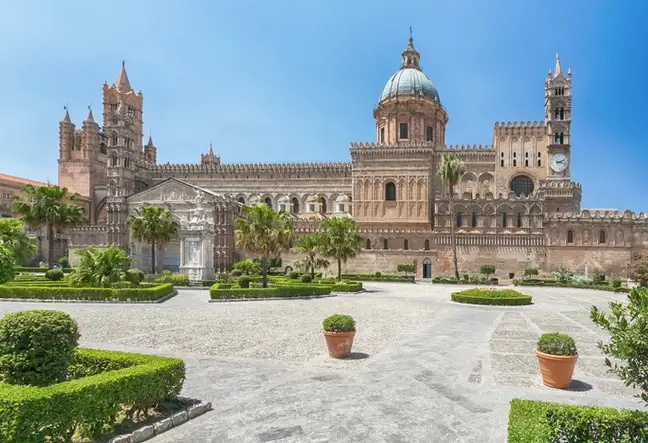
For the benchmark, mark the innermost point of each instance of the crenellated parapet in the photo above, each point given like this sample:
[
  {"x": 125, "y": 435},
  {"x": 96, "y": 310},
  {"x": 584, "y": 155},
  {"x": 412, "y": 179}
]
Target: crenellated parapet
[
  {"x": 599, "y": 215},
  {"x": 468, "y": 148},
  {"x": 519, "y": 128},
  {"x": 254, "y": 170}
]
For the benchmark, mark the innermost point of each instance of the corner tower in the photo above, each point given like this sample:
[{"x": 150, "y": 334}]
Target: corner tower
[
  {"x": 558, "y": 104},
  {"x": 409, "y": 110}
]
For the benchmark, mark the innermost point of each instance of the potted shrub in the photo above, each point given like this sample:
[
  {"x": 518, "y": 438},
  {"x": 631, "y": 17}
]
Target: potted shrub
[
  {"x": 339, "y": 331},
  {"x": 557, "y": 356}
]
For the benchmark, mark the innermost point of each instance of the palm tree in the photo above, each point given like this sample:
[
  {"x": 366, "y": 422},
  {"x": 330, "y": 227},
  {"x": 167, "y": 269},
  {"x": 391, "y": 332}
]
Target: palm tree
[
  {"x": 339, "y": 240},
  {"x": 153, "y": 225},
  {"x": 263, "y": 233},
  {"x": 14, "y": 238},
  {"x": 450, "y": 170},
  {"x": 48, "y": 206},
  {"x": 310, "y": 245},
  {"x": 99, "y": 267}
]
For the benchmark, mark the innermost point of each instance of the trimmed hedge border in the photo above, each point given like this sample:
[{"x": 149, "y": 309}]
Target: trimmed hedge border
[
  {"x": 383, "y": 278},
  {"x": 216, "y": 292},
  {"x": 542, "y": 422},
  {"x": 39, "y": 269},
  {"x": 107, "y": 381},
  {"x": 506, "y": 297},
  {"x": 156, "y": 294},
  {"x": 555, "y": 284}
]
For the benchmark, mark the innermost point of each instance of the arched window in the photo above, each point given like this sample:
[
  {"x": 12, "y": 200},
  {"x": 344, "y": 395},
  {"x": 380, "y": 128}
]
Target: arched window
[
  {"x": 427, "y": 245},
  {"x": 504, "y": 220},
  {"x": 322, "y": 203},
  {"x": 405, "y": 244},
  {"x": 295, "y": 205},
  {"x": 368, "y": 244},
  {"x": 241, "y": 200},
  {"x": 522, "y": 185},
  {"x": 113, "y": 160},
  {"x": 390, "y": 191},
  {"x": 473, "y": 220},
  {"x": 519, "y": 219},
  {"x": 268, "y": 201},
  {"x": 602, "y": 238},
  {"x": 385, "y": 244},
  {"x": 570, "y": 237},
  {"x": 459, "y": 219}
]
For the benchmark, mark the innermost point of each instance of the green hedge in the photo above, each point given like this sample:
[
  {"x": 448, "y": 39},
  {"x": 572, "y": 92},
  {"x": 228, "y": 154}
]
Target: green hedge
[
  {"x": 495, "y": 297},
  {"x": 556, "y": 284},
  {"x": 543, "y": 422},
  {"x": 352, "y": 286},
  {"x": 89, "y": 404},
  {"x": 301, "y": 290},
  {"x": 72, "y": 293},
  {"x": 38, "y": 269},
  {"x": 382, "y": 277}
]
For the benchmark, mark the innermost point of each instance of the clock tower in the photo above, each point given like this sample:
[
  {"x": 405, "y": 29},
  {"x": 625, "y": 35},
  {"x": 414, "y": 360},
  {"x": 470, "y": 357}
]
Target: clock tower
[{"x": 558, "y": 99}]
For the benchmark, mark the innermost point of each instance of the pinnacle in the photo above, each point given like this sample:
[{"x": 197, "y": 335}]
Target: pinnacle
[
  {"x": 67, "y": 116},
  {"x": 122, "y": 84},
  {"x": 90, "y": 116}
]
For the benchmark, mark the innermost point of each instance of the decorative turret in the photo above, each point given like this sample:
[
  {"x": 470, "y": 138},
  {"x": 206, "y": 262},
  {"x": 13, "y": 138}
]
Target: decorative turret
[
  {"x": 66, "y": 136},
  {"x": 411, "y": 56},
  {"x": 209, "y": 158},
  {"x": 150, "y": 151},
  {"x": 90, "y": 138},
  {"x": 122, "y": 84}
]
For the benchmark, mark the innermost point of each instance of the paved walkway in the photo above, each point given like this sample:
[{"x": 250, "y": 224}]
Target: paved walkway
[{"x": 424, "y": 369}]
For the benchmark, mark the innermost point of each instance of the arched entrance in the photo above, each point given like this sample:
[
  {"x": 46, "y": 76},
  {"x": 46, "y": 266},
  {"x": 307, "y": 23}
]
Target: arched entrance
[{"x": 427, "y": 269}]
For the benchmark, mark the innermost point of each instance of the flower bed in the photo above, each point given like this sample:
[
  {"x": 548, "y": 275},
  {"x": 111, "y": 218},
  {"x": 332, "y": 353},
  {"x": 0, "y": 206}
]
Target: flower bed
[
  {"x": 539, "y": 422},
  {"x": 380, "y": 277},
  {"x": 59, "y": 292},
  {"x": 501, "y": 297},
  {"x": 103, "y": 384},
  {"x": 229, "y": 292}
]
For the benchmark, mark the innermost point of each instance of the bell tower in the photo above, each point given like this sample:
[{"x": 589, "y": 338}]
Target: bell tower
[{"x": 558, "y": 104}]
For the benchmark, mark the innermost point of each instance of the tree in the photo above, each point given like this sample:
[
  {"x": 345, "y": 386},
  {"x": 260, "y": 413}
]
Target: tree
[
  {"x": 639, "y": 270},
  {"x": 153, "y": 225},
  {"x": 405, "y": 267},
  {"x": 627, "y": 325},
  {"x": 14, "y": 238},
  {"x": 310, "y": 246},
  {"x": 339, "y": 240},
  {"x": 263, "y": 233},
  {"x": 100, "y": 267},
  {"x": 51, "y": 207},
  {"x": 487, "y": 270},
  {"x": 450, "y": 170}
]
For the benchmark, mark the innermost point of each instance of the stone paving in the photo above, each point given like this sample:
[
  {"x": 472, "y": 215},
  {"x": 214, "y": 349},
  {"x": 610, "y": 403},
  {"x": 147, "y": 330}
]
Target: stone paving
[{"x": 424, "y": 369}]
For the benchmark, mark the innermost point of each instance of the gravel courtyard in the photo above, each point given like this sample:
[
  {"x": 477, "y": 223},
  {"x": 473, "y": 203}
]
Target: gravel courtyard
[{"x": 423, "y": 369}]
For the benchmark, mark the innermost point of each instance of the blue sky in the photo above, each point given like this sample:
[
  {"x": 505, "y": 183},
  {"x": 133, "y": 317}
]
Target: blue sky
[{"x": 297, "y": 81}]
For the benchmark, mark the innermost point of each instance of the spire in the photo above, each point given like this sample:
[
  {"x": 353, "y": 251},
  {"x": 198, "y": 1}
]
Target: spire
[
  {"x": 150, "y": 141},
  {"x": 211, "y": 151},
  {"x": 122, "y": 84},
  {"x": 90, "y": 116},
  {"x": 558, "y": 70},
  {"x": 66, "y": 119},
  {"x": 411, "y": 56}
]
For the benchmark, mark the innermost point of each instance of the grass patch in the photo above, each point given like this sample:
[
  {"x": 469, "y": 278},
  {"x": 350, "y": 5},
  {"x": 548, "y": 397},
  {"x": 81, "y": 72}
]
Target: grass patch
[{"x": 494, "y": 297}]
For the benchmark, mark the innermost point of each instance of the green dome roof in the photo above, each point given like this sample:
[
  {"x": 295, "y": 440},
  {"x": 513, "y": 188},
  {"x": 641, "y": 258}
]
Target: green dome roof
[{"x": 408, "y": 82}]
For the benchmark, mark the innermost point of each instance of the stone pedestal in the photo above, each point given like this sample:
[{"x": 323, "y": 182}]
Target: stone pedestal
[{"x": 196, "y": 255}]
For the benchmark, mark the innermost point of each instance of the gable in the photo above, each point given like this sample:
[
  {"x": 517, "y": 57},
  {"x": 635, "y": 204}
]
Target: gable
[{"x": 171, "y": 191}]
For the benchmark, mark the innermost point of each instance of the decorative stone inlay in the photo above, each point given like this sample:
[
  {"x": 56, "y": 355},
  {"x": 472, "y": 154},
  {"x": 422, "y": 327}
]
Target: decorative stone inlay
[{"x": 163, "y": 425}]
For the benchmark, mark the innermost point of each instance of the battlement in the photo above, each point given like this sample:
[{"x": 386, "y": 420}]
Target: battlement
[
  {"x": 273, "y": 169},
  {"x": 468, "y": 148},
  {"x": 519, "y": 128},
  {"x": 401, "y": 145},
  {"x": 552, "y": 184},
  {"x": 535, "y": 124},
  {"x": 598, "y": 215}
]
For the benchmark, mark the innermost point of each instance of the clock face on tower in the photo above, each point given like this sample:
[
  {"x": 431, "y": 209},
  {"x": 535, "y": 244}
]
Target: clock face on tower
[{"x": 559, "y": 162}]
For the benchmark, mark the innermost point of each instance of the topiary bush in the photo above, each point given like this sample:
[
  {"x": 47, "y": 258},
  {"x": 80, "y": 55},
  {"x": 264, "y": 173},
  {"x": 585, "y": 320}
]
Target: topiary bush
[
  {"x": 54, "y": 274},
  {"x": 134, "y": 276},
  {"x": 495, "y": 297},
  {"x": 37, "y": 347},
  {"x": 339, "y": 323},
  {"x": 237, "y": 273},
  {"x": 293, "y": 275},
  {"x": 306, "y": 278},
  {"x": 555, "y": 343},
  {"x": 378, "y": 274},
  {"x": 616, "y": 283},
  {"x": 7, "y": 265},
  {"x": 64, "y": 262},
  {"x": 244, "y": 281}
]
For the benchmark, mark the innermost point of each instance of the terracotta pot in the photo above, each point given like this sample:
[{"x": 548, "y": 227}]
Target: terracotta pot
[
  {"x": 556, "y": 370},
  {"x": 339, "y": 343}
]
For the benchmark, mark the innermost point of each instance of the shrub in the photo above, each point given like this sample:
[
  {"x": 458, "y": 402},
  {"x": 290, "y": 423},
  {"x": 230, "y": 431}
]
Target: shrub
[
  {"x": 224, "y": 277},
  {"x": 627, "y": 325},
  {"x": 466, "y": 277},
  {"x": 293, "y": 275},
  {"x": 247, "y": 267},
  {"x": 237, "y": 273},
  {"x": 543, "y": 422},
  {"x": 378, "y": 274},
  {"x": 562, "y": 274},
  {"x": 306, "y": 278},
  {"x": 555, "y": 343},
  {"x": 407, "y": 268},
  {"x": 71, "y": 293},
  {"x": 36, "y": 347},
  {"x": 597, "y": 276},
  {"x": 54, "y": 274},
  {"x": 174, "y": 279},
  {"x": 616, "y": 283},
  {"x": 344, "y": 286},
  {"x": 502, "y": 297},
  {"x": 487, "y": 270},
  {"x": 530, "y": 271},
  {"x": 639, "y": 270},
  {"x": 339, "y": 323},
  {"x": 64, "y": 262},
  {"x": 86, "y": 406},
  {"x": 134, "y": 276},
  {"x": 244, "y": 282},
  {"x": 382, "y": 277},
  {"x": 579, "y": 280},
  {"x": 296, "y": 291},
  {"x": 7, "y": 265}
]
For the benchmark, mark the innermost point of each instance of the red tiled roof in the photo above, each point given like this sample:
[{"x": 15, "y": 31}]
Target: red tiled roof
[{"x": 20, "y": 180}]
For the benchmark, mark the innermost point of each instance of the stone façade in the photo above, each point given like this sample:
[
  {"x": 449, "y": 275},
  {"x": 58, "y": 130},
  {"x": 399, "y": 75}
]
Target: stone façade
[{"x": 515, "y": 206}]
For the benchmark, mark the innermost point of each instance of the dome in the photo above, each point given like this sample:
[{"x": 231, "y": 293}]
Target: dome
[{"x": 408, "y": 82}]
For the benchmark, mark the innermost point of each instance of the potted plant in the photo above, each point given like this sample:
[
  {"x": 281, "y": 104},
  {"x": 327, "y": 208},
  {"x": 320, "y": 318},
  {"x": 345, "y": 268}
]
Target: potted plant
[
  {"x": 339, "y": 331},
  {"x": 557, "y": 356}
]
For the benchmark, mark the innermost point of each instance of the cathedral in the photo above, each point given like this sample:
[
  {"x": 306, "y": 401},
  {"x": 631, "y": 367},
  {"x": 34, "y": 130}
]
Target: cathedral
[{"x": 515, "y": 206}]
